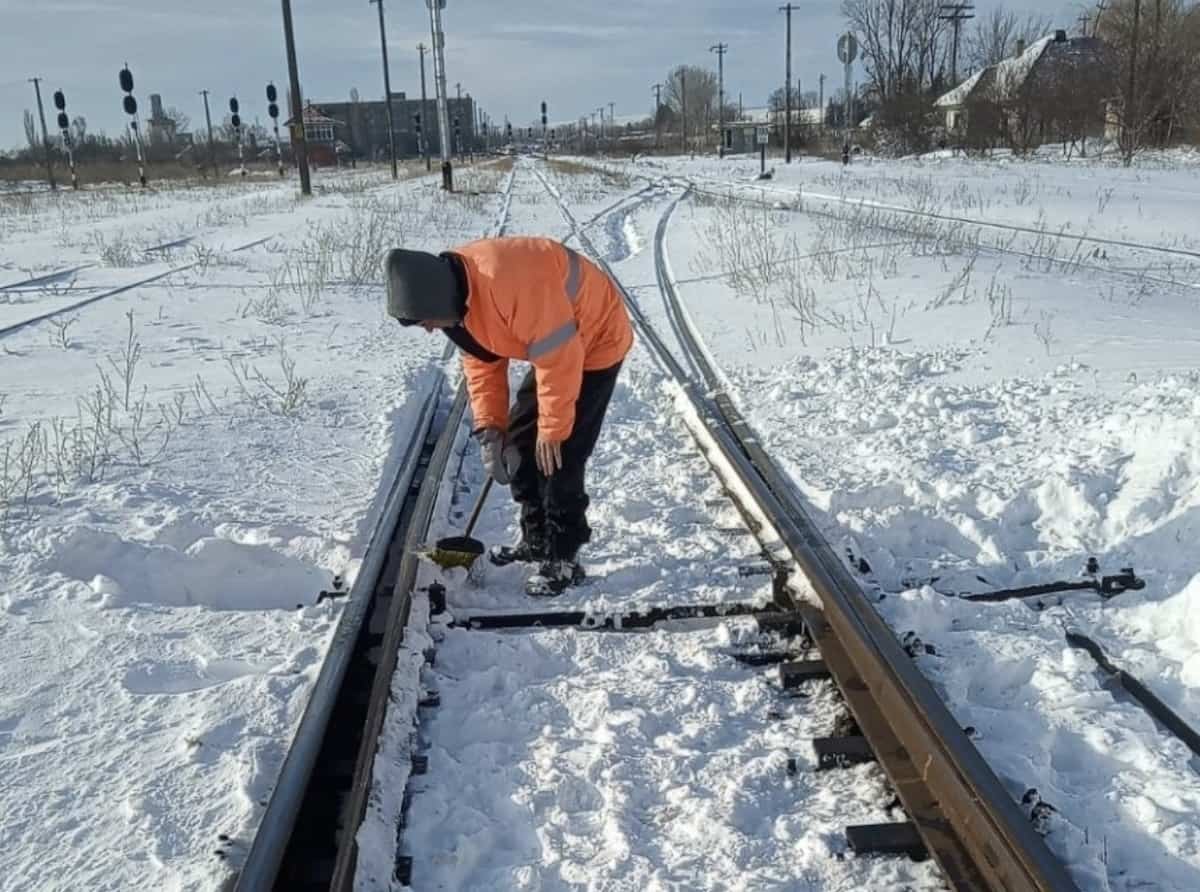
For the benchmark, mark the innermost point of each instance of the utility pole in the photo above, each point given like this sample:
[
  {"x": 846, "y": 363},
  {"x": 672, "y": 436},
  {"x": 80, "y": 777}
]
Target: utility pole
[
  {"x": 787, "y": 89},
  {"x": 720, "y": 49},
  {"x": 821, "y": 99},
  {"x": 37, "y": 89},
  {"x": 387, "y": 92},
  {"x": 657, "y": 88},
  {"x": 425, "y": 122},
  {"x": 1130, "y": 110},
  {"x": 683, "y": 108},
  {"x": 299, "y": 146},
  {"x": 439, "y": 85},
  {"x": 956, "y": 14},
  {"x": 212, "y": 149},
  {"x": 457, "y": 116}
]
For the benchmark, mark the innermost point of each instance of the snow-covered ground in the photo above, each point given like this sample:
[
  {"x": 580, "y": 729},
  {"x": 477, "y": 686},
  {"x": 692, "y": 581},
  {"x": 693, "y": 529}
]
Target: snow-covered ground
[
  {"x": 963, "y": 413},
  {"x": 969, "y": 419},
  {"x": 184, "y": 466}
]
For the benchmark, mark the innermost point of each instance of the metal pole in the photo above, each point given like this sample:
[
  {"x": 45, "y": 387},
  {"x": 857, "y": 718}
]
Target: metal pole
[
  {"x": 821, "y": 100},
  {"x": 439, "y": 83},
  {"x": 683, "y": 108},
  {"x": 787, "y": 91},
  {"x": 657, "y": 115},
  {"x": 37, "y": 89},
  {"x": 387, "y": 92},
  {"x": 720, "y": 49},
  {"x": 458, "y": 148},
  {"x": 212, "y": 149},
  {"x": 299, "y": 146},
  {"x": 425, "y": 121},
  {"x": 1130, "y": 110},
  {"x": 849, "y": 103}
]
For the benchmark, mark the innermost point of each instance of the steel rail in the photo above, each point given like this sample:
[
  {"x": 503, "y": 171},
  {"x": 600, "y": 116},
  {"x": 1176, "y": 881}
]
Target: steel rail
[
  {"x": 407, "y": 515},
  {"x": 983, "y": 840},
  {"x": 260, "y": 869},
  {"x": 79, "y": 304},
  {"x": 397, "y": 621},
  {"x": 792, "y": 195}
]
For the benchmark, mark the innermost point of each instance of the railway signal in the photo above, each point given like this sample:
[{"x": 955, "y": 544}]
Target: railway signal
[
  {"x": 64, "y": 124},
  {"x": 129, "y": 103},
  {"x": 273, "y": 112},
  {"x": 545, "y": 142},
  {"x": 235, "y": 121}
]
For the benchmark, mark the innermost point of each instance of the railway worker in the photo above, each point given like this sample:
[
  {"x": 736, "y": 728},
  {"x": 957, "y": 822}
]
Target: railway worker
[{"x": 536, "y": 300}]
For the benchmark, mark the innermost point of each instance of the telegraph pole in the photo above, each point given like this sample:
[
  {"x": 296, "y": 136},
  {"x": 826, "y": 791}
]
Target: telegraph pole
[
  {"x": 212, "y": 149},
  {"x": 457, "y": 115},
  {"x": 657, "y": 88},
  {"x": 424, "y": 111},
  {"x": 720, "y": 49},
  {"x": 1130, "y": 111},
  {"x": 37, "y": 89},
  {"x": 956, "y": 14},
  {"x": 683, "y": 108},
  {"x": 821, "y": 100},
  {"x": 387, "y": 92},
  {"x": 299, "y": 146},
  {"x": 787, "y": 88},
  {"x": 439, "y": 85}
]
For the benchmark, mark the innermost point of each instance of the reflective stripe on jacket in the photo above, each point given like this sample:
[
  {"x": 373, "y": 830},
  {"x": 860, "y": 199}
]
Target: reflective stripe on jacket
[{"x": 535, "y": 299}]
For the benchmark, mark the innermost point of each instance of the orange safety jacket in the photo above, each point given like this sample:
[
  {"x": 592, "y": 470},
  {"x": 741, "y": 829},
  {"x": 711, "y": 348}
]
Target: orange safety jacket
[{"x": 535, "y": 299}]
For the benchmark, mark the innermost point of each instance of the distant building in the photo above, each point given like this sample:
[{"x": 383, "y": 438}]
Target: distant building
[
  {"x": 1053, "y": 71},
  {"x": 320, "y": 135},
  {"x": 742, "y": 135},
  {"x": 159, "y": 128},
  {"x": 362, "y": 125}
]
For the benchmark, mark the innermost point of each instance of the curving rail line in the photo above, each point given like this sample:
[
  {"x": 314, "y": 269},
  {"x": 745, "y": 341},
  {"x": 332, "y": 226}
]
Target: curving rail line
[{"x": 964, "y": 816}]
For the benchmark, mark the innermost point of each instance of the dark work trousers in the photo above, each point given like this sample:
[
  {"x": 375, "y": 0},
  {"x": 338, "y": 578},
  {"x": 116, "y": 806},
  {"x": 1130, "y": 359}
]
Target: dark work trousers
[{"x": 554, "y": 509}]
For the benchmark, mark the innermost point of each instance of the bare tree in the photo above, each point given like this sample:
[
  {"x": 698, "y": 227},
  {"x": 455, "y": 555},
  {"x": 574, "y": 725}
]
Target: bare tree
[
  {"x": 179, "y": 120},
  {"x": 997, "y": 35},
  {"x": 904, "y": 49},
  {"x": 79, "y": 130},
  {"x": 701, "y": 104},
  {"x": 1155, "y": 46},
  {"x": 903, "y": 45}
]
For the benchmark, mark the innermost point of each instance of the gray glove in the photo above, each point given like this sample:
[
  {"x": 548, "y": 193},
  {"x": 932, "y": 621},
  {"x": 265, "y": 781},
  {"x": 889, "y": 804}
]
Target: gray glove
[{"x": 499, "y": 459}]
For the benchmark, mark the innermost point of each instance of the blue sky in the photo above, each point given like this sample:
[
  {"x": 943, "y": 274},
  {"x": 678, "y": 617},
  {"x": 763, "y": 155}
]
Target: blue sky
[{"x": 509, "y": 54}]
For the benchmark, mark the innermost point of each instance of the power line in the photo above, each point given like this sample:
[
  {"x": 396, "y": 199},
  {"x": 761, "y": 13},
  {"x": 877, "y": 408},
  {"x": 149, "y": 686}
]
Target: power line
[{"x": 956, "y": 14}]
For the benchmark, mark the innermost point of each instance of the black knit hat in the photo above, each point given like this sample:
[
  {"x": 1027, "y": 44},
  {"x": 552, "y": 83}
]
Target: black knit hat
[{"x": 421, "y": 286}]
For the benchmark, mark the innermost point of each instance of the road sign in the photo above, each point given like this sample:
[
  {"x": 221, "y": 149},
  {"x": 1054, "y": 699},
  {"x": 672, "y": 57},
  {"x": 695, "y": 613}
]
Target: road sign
[
  {"x": 762, "y": 135},
  {"x": 847, "y": 48}
]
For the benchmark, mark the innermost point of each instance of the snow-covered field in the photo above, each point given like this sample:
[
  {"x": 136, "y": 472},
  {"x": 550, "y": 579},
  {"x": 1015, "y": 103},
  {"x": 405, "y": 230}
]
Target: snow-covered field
[
  {"x": 184, "y": 467},
  {"x": 968, "y": 419},
  {"x": 963, "y": 411}
]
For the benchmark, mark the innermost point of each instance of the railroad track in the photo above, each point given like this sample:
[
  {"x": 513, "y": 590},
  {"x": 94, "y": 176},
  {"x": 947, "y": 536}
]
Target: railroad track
[
  {"x": 890, "y": 216},
  {"x": 957, "y": 810},
  {"x": 956, "y": 804},
  {"x": 306, "y": 837},
  {"x": 107, "y": 292}
]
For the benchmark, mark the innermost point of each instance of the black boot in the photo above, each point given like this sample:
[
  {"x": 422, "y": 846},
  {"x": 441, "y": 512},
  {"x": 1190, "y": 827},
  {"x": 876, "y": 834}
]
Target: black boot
[
  {"x": 553, "y": 578},
  {"x": 522, "y": 552}
]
